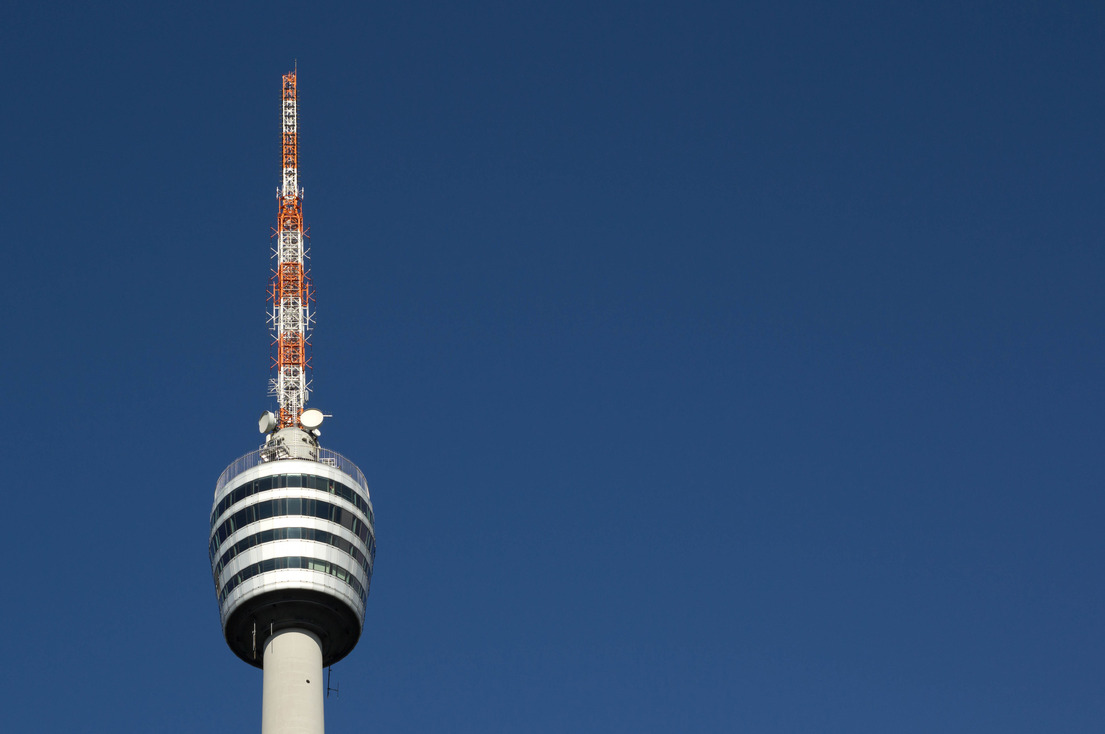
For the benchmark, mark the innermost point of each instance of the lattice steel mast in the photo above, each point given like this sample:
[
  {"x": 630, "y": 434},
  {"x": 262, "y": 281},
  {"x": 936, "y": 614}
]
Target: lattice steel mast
[{"x": 291, "y": 286}]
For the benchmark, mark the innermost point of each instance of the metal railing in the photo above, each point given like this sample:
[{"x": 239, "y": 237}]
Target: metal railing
[{"x": 265, "y": 455}]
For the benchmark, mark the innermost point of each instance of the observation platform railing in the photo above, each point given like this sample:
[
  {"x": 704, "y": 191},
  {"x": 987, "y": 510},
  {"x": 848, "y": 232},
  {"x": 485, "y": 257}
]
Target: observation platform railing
[{"x": 265, "y": 455}]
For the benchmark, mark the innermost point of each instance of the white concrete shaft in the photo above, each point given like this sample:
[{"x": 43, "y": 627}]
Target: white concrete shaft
[{"x": 292, "y": 692}]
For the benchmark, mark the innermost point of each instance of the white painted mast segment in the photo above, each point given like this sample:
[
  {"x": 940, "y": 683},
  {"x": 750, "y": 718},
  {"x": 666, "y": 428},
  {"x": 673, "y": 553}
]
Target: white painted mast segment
[{"x": 290, "y": 189}]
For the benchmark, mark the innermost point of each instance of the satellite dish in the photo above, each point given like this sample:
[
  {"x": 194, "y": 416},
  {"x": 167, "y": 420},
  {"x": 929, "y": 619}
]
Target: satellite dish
[
  {"x": 311, "y": 419},
  {"x": 267, "y": 422}
]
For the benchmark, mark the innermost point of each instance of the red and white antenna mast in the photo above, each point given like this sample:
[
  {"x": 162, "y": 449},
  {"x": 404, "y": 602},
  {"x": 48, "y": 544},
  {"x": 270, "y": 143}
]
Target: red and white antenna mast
[{"x": 291, "y": 287}]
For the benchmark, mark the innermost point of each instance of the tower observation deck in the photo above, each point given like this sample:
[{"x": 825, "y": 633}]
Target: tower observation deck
[
  {"x": 292, "y": 540},
  {"x": 292, "y": 545}
]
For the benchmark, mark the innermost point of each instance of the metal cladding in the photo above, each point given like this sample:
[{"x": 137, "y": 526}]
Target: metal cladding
[
  {"x": 291, "y": 285},
  {"x": 292, "y": 545}
]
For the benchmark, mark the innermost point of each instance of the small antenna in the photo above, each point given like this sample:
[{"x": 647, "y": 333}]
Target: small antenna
[{"x": 329, "y": 672}]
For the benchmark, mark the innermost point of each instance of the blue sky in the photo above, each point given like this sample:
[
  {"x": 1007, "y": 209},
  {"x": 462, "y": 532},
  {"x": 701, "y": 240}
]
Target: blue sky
[{"x": 715, "y": 366}]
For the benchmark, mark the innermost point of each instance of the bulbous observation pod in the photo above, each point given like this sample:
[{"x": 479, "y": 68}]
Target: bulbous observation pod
[{"x": 292, "y": 545}]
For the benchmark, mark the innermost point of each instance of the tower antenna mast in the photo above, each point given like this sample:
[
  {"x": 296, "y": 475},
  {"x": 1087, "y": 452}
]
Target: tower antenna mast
[{"x": 290, "y": 293}]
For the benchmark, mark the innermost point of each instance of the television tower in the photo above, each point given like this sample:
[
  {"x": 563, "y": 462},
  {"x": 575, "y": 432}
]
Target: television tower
[{"x": 292, "y": 539}]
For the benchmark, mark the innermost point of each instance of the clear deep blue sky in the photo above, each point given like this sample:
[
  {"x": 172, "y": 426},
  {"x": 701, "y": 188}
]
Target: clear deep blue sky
[{"x": 716, "y": 367}]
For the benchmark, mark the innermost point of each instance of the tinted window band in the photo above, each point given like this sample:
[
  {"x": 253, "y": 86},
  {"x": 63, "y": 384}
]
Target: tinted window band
[
  {"x": 319, "y": 536},
  {"x": 277, "y": 564},
  {"x": 282, "y": 481},
  {"x": 289, "y": 506}
]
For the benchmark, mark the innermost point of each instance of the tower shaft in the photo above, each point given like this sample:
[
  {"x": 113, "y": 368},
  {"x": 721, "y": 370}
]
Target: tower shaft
[
  {"x": 291, "y": 287},
  {"x": 292, "y": 690}
]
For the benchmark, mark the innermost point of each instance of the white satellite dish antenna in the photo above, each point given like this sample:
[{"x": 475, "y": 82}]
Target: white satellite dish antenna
[
  {"x": 311, "y": 419},
  {"x": 267, "y": 422}
]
